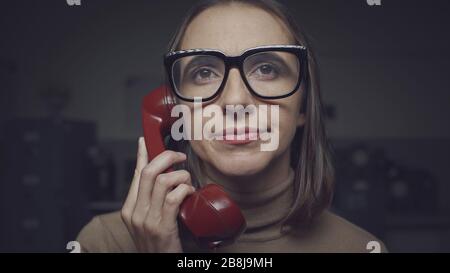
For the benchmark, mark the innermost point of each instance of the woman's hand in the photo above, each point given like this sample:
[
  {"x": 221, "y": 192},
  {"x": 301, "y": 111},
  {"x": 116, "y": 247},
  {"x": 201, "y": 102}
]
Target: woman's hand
[{"x": 151, "y": 208}]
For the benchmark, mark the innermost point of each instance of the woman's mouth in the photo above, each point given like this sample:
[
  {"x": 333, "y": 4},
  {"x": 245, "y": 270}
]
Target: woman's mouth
[{"x": 239, "y": 136}]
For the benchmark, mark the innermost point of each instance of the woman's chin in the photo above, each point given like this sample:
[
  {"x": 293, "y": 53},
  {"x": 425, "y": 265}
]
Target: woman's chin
[{"x": 241, "y": 164}]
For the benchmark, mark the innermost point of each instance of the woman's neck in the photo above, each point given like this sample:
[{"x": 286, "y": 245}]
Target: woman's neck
[{"x": 265, "y": 198}]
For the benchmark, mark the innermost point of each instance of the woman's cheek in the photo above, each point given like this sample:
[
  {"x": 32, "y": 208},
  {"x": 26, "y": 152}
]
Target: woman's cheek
[
  {"x": 284, "y": 138},
  {"x": 287, "y": 129}
]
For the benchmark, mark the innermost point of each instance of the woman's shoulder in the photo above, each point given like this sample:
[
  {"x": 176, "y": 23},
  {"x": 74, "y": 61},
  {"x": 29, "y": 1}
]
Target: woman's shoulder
[
  {"x": 343, "y": 236},
  {"x": 329, "y": 233},
  {"x": 106, "y": 233}
]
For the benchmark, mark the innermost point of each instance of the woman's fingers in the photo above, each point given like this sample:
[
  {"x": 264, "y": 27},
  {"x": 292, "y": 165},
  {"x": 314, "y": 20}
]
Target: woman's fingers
[
  {"x": 148, "y": 176},
  {"x": 172, "y": 204},
  {"x": 142, "y": 157},
  {"x": 151, "y": 188},
  {"x": 164, "y": 183},
  {"x": 141, "y": 162}
]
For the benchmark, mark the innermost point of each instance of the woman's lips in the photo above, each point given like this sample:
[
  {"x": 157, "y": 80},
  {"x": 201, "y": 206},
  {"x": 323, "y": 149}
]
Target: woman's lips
[{"x": 235, "y": 136}]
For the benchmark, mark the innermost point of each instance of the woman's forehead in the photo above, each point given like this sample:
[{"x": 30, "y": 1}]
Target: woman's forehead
[{"x": 235, "y": 28}]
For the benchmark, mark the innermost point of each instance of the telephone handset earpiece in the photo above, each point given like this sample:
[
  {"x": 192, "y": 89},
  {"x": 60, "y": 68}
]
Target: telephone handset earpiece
[{"x": 209, "y": 213}]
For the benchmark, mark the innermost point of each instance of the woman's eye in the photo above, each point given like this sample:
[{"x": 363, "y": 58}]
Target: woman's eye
[
  {"x": 265, "y": 69},
  {"x": 265, "y": 72},
  {"x": 204, "y": 75}
]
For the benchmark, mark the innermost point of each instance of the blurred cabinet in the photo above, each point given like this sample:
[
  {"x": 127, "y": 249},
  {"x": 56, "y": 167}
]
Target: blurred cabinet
[
  {"x": 45, "y": 174},
  {"x": 396, "y": 189}
]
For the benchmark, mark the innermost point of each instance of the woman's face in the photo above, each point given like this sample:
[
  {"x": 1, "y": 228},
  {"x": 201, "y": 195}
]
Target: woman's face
[{"x": 233, "y": 29}]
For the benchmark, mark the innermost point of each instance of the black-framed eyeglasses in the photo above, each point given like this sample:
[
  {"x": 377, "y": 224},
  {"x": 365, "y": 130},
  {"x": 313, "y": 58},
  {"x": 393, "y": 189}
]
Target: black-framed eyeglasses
[{"x": 269, "y": 72}]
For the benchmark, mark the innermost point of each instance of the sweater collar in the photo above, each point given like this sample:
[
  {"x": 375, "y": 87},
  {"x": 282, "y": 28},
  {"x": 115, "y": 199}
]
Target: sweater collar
[{"x": 264, "y": 209}]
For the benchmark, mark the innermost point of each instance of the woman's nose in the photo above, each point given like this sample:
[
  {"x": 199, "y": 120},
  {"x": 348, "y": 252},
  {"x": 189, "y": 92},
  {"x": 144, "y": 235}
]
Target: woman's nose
[{"x": 235, "y": 91}]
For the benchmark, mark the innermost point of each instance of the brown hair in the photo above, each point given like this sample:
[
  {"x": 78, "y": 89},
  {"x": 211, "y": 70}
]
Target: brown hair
[{"x": 310, "y": 151}]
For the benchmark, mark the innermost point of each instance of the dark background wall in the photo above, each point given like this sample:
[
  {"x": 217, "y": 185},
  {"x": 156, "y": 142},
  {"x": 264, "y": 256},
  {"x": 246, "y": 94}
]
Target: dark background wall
[{"x": 384, "y": 74}]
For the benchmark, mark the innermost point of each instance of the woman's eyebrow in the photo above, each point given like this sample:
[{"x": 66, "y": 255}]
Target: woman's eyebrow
[
  {"x": 199, "y": 60},
  {"x": 273, "y": 56}
]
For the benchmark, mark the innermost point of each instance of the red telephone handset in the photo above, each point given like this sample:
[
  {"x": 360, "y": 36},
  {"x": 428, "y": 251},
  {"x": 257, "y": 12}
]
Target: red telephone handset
[{"x": 209, "y": 214}]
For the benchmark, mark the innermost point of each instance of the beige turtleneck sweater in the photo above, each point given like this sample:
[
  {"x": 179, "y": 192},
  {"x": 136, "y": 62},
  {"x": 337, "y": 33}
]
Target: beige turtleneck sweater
[{"x": 263, "y": 211}]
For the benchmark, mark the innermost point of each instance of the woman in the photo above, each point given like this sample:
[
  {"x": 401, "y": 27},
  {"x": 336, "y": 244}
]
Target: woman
[{"x": 283, "y": 193}]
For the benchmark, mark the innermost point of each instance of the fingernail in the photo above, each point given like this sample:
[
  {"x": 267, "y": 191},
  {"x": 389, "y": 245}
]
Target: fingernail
[{"x": 181, "y": 154}]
